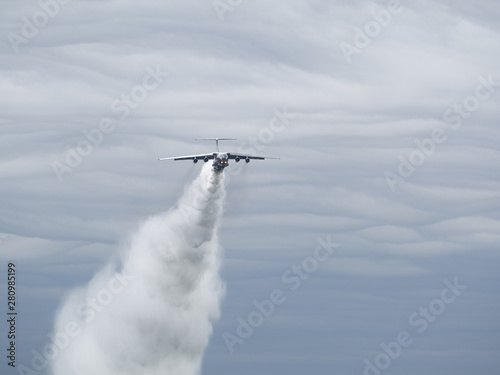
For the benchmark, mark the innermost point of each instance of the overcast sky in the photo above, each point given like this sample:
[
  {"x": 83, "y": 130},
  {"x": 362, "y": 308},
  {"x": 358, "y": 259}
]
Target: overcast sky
[{"x": 384, "y": 115}]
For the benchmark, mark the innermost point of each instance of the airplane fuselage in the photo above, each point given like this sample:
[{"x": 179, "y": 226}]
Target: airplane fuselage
[{"x": 220, "y": 162}]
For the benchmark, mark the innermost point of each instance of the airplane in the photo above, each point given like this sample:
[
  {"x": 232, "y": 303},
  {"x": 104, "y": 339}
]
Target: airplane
[{"x": 220, "y": 159}]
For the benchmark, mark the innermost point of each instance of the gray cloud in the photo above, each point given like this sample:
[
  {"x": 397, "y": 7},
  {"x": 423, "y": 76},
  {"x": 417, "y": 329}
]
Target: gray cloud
[{"x": 226, "y": 78}]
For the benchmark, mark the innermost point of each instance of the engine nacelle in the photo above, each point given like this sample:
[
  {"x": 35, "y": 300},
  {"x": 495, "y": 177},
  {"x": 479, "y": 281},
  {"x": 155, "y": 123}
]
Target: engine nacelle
[
  {"x": 247, "y": 160},
  {"x": 237, "y": 159},
  {"x": 205, "y": 160},
  {"x": 195, "y": 160}
]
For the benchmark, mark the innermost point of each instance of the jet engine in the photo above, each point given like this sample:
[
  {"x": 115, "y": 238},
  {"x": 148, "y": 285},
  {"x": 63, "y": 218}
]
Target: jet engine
[
  {"x": 195, "y": 160},
  {"x": 236, "y": 159},
  {"x": 247, "y": 160}
]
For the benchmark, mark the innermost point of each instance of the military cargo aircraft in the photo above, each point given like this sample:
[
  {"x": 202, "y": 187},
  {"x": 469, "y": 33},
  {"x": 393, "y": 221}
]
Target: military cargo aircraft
[{"x": 220, "y": 159}]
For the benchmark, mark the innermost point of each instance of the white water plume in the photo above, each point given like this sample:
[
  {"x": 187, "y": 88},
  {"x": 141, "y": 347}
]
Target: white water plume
[{"x": 150, "y": 313}]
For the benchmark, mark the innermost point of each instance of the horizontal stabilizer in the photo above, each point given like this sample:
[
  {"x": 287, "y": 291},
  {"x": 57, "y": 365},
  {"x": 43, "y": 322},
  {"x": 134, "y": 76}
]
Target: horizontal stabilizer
[{"x": 216, "y": 140}]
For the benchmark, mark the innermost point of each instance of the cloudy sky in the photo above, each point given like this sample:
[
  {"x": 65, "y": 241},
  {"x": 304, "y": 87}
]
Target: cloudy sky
[{"x": 383, "y": 113}]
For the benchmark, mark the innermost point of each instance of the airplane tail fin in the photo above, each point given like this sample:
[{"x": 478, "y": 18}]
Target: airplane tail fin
[{"x": 216, "y": 140}]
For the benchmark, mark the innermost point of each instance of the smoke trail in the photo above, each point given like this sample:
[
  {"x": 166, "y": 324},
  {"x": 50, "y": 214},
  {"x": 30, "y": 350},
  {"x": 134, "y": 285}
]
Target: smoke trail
[{"x": 150, "y": 313}]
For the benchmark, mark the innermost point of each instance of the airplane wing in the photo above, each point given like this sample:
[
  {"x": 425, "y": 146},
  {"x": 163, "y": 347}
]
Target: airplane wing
[
  {"x": 242, "y": 156},
  {"x": 190, "y": 157}
]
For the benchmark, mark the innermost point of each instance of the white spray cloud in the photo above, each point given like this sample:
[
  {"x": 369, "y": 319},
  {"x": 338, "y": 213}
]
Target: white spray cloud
[{"x": 151, "y": 314}]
